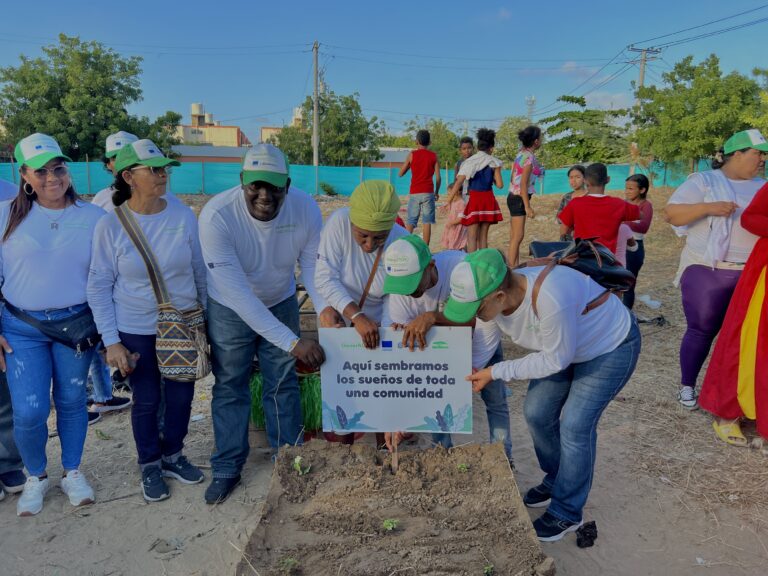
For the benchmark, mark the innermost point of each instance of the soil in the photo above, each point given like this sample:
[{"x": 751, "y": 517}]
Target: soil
[{"x": 456, "y": 512}]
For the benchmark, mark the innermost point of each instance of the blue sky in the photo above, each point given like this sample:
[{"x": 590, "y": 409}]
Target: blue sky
[{"x": 473, "y": 62}]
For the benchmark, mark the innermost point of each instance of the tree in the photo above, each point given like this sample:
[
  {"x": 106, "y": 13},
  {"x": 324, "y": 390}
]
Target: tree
[
  {"x": 584, "y": 134},
  {"x": 758, "y": 117},
  {"x": 443, "y": 140},
  {"x": 347, "y": 137},
  {"x": 694, "y": 112},
  {"x": 507, "y": 142},
  {"x": 78, "y": 92}
]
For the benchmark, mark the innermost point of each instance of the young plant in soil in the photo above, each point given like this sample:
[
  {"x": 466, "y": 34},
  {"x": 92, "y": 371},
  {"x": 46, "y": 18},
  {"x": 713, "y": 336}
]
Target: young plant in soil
[
  {"x": 299, "y": 468},
  {"x": 390, "y": 524},
  {"x": 488, "y": 570},
  {"x": 289, "y": 565},
  {"x": 463, "y": 467}
]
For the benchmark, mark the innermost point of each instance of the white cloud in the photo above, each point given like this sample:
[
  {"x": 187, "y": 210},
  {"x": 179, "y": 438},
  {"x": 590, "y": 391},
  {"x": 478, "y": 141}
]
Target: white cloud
[
  {"x": 609, "y": 100},
  {"x": 504, "y": 14}
]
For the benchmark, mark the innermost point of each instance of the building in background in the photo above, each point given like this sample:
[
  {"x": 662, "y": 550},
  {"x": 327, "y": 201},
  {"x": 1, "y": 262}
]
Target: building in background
[
  {"x": 207, "y": 153},
  {"x": 267, "y": 132},
  {"x": 204, "y": 130},
  {"x": 392, "y": 157}
]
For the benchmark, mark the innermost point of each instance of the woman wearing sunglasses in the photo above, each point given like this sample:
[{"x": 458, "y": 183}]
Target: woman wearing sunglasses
[
  {"x": 45, "y": 253},
  {"x": 125, "y": 307}
]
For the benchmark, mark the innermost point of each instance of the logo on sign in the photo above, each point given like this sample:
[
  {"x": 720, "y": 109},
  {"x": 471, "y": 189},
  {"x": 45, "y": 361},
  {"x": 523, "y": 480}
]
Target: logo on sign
[{"x": 439, "y": 345}]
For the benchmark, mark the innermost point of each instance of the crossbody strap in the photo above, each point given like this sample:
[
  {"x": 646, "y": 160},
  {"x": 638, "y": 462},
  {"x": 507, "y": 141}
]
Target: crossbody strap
[
  {"x": 371, "y": 276},
  {"x": 136, "y": 234},
  {"x": 591, "y": 305}
]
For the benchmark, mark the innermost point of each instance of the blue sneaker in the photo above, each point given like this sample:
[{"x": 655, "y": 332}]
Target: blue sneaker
[
  {"x": 220, "y": 488},
  {"x": 183, "y": 471},
  {"x": 550, "y": 529},
  {"x": 537, "y": 497},
  {"x": 13, "y": 481},
  {"x": 153, "y": 486}
]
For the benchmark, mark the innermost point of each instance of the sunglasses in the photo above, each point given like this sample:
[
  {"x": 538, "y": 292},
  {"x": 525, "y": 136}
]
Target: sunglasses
[
  {"x": 155, "y": 170},
  {"x": 58, "y": 172}
]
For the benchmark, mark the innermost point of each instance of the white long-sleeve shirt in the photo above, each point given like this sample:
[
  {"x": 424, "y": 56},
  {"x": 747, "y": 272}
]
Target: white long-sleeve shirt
[
  {"x": 8, "y": 190},
  {"x": 251, "y": 264},
  {"x": 103, "y": 199},
  {"x": 561, "y": 335},
  {"x": 403, "y": 309},
  {"x": 119, "y": 290},
  {"x": 44, "y": 264},
  {"x": 343, "y": 268}
]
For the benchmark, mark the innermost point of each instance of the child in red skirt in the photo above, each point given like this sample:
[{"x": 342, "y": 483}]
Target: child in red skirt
[{"x": 483, "y": 171}]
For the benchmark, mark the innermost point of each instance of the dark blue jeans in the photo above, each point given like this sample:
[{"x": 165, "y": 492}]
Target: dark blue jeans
[
  {"x": 635, "y": 262},
  {"x": 10, "y": 459},
  {"x": 147, "y": 384},
  {"x": 562, "y": 411},
  {"x": 496, "y": 409},
  {"x": 233, "y": 346}
]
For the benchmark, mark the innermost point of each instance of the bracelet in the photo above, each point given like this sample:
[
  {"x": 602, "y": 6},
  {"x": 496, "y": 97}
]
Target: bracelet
[
  {"x": 292, "y": 345},
  {"x": 355, "y": 315}
]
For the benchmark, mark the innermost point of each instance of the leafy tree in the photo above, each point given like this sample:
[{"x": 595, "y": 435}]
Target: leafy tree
[
  {"x": 695, "y": 110},
  {"x": 78, "y": 93},
  {"x": 758, "y": 117},
  {"x": 443, "y": 140},
  {"x": 507, "y": 142},
  {"x": 398, "y": 141},
  {"x": 347, "y": 137},
  {"x": 584, "y": 134}
]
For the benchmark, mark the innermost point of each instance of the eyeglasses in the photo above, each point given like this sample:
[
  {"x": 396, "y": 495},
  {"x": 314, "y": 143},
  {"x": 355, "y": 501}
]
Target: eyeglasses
[
  {"x": 271, "y": 188},
  {"x": 58, "y": 172},
  {"x": 155, "y": 170}
]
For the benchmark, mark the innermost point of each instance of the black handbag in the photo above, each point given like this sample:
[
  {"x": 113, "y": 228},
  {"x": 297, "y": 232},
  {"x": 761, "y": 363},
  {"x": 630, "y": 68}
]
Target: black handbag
[{"x": 78, "y": 331}]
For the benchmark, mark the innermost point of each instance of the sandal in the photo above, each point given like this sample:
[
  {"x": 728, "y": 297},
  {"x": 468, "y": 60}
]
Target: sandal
[{"x": 730, "y": 432}]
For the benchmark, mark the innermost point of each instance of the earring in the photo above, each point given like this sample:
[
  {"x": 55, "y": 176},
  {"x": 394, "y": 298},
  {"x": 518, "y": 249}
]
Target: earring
[{"x": 28, "y": 191}]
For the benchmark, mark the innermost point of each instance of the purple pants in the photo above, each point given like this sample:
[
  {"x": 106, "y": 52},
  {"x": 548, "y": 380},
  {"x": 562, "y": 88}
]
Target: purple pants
[{"x": 706, "y": 295}]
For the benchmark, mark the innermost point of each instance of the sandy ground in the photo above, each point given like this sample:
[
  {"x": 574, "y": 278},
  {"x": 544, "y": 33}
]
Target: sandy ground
[{"x": 668, "y": 498}]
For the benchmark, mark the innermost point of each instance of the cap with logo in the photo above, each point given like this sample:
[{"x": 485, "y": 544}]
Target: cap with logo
[
  {"x": 405, "y": 261},
  {"x": 37, "y": 150},
  {"x": 117, "y": 140},
  {"x": 265, "y": 163},
  {"x": 478, "y": 275},
  {"x": 746, "y": 139},
  {"x": 143, "y": 152}
]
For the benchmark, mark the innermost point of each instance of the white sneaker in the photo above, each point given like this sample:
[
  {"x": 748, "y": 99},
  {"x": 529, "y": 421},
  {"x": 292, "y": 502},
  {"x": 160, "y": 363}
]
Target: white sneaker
[
  {"x": 31, "y": 499},
  {"x": 687, "y": 398},
  {"x": 77, "y": 488}
]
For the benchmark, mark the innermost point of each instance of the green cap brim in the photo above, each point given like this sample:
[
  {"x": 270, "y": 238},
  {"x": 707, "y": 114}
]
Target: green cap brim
[
  {"x": 111, "y": 154},
  {"x": 761, "y": 147},
  {"x": 279, "y": 180},
  {"x": 157, "y": 162},
  {"x": 461, "y": 312},
  {"x": 403, "y": 285},
  {"x": 42, "y": 159}
]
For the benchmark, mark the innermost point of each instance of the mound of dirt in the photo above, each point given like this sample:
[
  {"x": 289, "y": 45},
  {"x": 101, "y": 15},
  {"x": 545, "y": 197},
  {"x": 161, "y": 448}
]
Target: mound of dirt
[{"x": 442, "y": 512}]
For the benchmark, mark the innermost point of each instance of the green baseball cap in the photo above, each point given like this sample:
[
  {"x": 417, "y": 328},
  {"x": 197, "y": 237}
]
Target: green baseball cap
[
  {"x": 37, "y": 150},
  {"x": 746, "y": 139},
  {"x": 143, "y": 152},
  {"x": 405, "y": 261},
  {"x": 265, "y": 163},
  {"x": 478, "y": 275},
  {"x": 117, "y": 141}
]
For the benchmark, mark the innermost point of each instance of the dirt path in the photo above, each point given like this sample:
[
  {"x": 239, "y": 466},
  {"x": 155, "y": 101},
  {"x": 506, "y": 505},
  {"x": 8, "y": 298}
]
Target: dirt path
[{"x": 667, "y": 497}]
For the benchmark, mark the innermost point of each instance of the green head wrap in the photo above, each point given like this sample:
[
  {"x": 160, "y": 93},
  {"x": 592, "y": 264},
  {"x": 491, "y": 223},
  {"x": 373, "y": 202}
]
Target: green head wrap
[{"x": 374, "y": 205}]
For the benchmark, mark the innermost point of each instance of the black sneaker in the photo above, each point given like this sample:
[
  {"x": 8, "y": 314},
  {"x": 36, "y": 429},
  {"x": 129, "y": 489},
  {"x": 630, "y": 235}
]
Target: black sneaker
[
  {"x": 537, "y": 497},
  {"x": 93, "y": 417},
  {"x": 183, "y": 471},
  {"x": 220, "y": 488},
  {"x": 550, "y": 529},
  {"x": 112, "y": 405},
  {"x": 13, "y": 481},
  {"x": 153, "y": 485}
]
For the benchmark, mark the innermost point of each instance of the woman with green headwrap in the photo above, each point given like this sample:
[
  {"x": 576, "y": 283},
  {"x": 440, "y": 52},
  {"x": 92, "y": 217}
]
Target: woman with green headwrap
[{"x": 351, "y": 243}]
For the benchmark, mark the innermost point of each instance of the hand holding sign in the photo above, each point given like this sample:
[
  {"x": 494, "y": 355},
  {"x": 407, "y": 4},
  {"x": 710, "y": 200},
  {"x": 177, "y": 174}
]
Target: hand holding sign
[{"x": 416, "y": 331}]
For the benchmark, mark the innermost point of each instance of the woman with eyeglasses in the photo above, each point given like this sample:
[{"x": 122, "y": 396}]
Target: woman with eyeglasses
[
  {"x": 125, "y": 308},
  {"x": 45, "y": 253}
]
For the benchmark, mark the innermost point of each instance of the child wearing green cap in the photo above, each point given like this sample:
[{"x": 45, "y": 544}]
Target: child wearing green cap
[{"x": 579, "y": 361}]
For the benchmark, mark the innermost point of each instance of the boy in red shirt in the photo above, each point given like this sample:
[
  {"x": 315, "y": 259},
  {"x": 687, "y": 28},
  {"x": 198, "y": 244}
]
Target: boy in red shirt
[
  {"x": 597, "y": 215},
  {"x": 423, "y": 165}
]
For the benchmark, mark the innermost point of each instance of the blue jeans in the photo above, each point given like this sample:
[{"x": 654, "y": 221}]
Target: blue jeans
[
  {"x": 496, "y": 409},
  {"x": 34, "y": 362},
  {"x": 562, "y": 411},
  {"x": 233, "y": 346},
  {"x": 100, "y": 380},
  {"x": 10, "y": 459},
  {"x": 147, "y": 385},
  {"x": 421, "y": 205}
]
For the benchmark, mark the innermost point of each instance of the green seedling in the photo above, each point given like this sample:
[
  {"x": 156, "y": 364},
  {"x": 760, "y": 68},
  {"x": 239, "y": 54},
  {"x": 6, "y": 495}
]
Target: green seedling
[
  {"x": 289, "y": 565},
  {"x": 299, "y": 468},
  {"x": 463, "y": 467},
  {"x": 488, "y": 570},
  {"x": 390, "y": 524}
]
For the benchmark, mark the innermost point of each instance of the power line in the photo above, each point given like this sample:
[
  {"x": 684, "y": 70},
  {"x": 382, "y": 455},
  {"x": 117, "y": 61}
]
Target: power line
[
  {"x": 702, "y": 25},
  {"x": 713, "y": 33}
]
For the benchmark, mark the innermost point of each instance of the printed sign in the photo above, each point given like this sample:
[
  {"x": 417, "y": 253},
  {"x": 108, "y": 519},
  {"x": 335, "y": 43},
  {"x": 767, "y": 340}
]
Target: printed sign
[{"x": 392, "y": 388}]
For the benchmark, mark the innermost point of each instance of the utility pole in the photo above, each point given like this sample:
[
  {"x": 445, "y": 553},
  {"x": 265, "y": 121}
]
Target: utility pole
[
  {"x": 643, "y": 60},
  {"x": 530, "y": 102},
  {"x": 316, "y": 123}
]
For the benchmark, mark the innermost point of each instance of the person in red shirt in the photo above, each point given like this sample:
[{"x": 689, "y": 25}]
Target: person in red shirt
[
  {"x": 597, "y": 215},
  {"x": 423, "y": 165}
]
